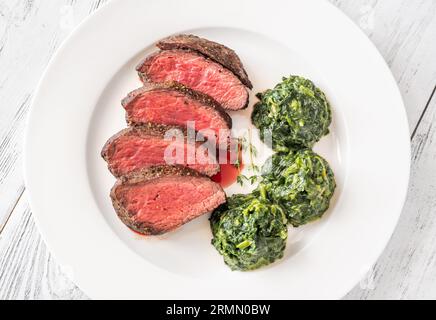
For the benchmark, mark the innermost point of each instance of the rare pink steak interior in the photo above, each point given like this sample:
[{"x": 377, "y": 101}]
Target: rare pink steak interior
[
  {"x": 198, "y": 73},
  {"x": 160, "y": 200},
  {"x": 176, "y": 105},
  {"x": 145, "y": 147}
]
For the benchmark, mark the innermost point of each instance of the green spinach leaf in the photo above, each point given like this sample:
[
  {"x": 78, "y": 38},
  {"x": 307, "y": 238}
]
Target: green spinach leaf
[
  {"x": 301, "y": 182},
  {"x": 249, "y": 232},
  {"x": 294, "y": 114}
]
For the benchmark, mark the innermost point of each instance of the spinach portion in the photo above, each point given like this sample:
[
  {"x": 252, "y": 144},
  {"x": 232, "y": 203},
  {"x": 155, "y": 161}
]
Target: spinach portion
[
  {"x": 301, "y": 182},
  {"x": 294, "y": 114},
  {"x": 249, "y": 231},
  {"x": 296, "y": 185}
]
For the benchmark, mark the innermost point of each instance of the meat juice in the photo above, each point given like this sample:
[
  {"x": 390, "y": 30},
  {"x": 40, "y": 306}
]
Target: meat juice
[{"x": 229, "y": 172}]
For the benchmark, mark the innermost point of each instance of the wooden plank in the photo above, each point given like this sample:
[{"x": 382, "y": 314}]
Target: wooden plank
[
  {"x": 39, "y": 27},
  {"x": 27, "y": 270},
  {"x": 404, "y": 32},
  {"x": 407, "y": 268}
]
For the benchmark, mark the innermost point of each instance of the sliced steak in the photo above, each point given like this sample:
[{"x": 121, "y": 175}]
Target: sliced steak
[
  {"x": 175, "y": 105},
  {"x": 197, "y": 72},
  {"x": 215, "y": 51},
  {"x": 145, "y": 147},
  {"x": 160, "y": 200}
]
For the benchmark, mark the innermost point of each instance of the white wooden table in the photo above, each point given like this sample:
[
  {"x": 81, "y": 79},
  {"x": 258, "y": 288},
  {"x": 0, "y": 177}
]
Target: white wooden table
[{"x": 403, "y": 30}]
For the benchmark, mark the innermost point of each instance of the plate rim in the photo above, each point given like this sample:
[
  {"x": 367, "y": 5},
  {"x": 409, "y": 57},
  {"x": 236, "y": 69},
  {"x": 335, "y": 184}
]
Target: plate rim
[{"x": 107, "y": 6}]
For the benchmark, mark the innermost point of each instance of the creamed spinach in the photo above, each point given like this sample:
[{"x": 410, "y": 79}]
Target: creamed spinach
[
  {"x": 249, "y": 232},
  {"x": 294, "y": 114},
  {"x": 295, "y": 186},
  {"x": 301, "y": 182}
]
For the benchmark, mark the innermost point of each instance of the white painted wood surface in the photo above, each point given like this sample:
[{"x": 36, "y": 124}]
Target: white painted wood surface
[{"x": 403, "y": 30}]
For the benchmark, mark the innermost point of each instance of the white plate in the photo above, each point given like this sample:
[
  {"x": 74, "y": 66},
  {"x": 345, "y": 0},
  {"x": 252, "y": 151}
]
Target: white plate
[{"x": 77, "y": 107}]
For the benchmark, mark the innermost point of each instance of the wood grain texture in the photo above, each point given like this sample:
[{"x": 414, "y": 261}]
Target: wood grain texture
[
  {"x": 27, "y": 270},
  {"x": 30, "y": 33},
  {"x": 407, "y": 268},
  {"x": 404, "y": 32}
]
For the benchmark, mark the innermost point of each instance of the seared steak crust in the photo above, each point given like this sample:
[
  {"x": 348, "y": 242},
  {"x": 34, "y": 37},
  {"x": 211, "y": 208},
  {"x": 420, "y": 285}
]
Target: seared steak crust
[
  {"x": 157, "y": 220},
  {"x": 140, "y": 130},
  {"x": 152, "y": 132},
  {"x": 214, "y": 51},
  {"x": 198, "y": 72},
  {"x": 204, "y": 99},
  {"x": 158, "y": 172},
  {"x": 190, "y": 79}
]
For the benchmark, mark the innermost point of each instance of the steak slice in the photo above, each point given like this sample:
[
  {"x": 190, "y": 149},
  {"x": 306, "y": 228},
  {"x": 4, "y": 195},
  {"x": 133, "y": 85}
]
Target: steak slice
[
  {"x": 175, "y": 105},
  {"x": 144, "y": 147},
  {"x": 157, "y": 201},
  {"x": 197, "y": 72},
  {"x": 214, "y": 51}
]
